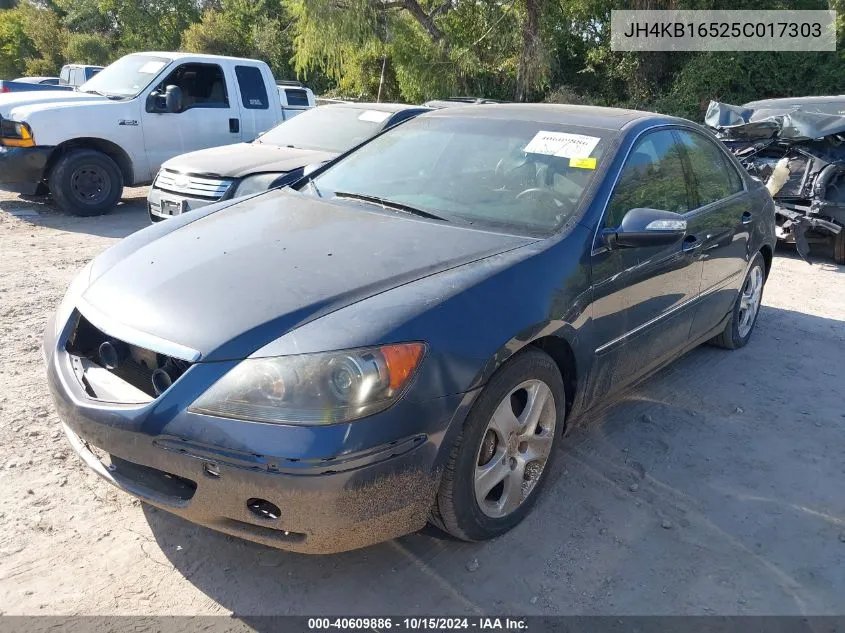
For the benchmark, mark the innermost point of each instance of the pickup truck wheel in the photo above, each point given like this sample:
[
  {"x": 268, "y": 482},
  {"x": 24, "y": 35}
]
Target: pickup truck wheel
[{"x": 86, "y": 182}]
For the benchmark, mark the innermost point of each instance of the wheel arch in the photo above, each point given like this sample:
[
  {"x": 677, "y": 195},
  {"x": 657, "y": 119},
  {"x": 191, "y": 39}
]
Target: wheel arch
[
  {"x": 560, "y": 342},
  {"x": 110, "y": 149},
  {"x": 768, "y": 254}
]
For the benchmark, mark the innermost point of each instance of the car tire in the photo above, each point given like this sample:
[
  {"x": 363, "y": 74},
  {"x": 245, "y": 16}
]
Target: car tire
[
  {"x": 839, "y": 247},
  {"x": 85, "y": 182},
  {"x": 482, "y": 452},
  {"x": 741, "y": 324}
]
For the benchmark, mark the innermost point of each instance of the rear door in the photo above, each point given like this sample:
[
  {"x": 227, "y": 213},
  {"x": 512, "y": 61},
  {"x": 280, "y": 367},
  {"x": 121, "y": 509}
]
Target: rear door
[
  {"x": 721, "y": 221},
  {"x": 256, "y": 114},
  {"x": 643, "y": 297},
  {"x": 209, "y": 117}
]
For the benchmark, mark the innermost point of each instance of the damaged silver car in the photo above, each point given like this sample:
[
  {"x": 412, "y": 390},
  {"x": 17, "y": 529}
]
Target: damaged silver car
[{"x": 797, "y": 147}]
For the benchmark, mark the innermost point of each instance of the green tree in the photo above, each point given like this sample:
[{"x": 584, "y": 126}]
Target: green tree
[
  {"x": 216, "y": 34},
  {"x": 83, "y": 48},
  {"x": 15, "y": 45},
  {"x": 44, "y": 27},
  {"x": 149, "y": 24}
]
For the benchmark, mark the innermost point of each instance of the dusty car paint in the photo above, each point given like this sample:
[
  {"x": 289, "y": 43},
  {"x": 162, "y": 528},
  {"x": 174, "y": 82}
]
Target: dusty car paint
[{"x": 476, "y": 297}]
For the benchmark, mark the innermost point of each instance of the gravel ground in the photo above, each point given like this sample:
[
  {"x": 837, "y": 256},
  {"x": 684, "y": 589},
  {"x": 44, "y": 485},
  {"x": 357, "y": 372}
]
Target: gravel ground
[{"x": 714, "y": 488}]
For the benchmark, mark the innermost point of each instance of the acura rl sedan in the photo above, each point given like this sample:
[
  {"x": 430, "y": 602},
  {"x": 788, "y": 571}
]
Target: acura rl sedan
[{"x": 406, "y": 336}]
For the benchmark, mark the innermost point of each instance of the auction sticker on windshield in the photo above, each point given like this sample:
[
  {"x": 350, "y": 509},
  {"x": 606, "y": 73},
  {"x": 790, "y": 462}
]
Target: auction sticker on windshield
[
  {"x": 563, "y": 144},
  {"x": 151, "y": 67},
  {"x": 374, "y": 116}
]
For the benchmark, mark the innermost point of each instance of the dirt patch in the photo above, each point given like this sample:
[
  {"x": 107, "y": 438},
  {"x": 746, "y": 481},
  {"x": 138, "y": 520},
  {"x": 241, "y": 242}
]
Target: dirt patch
[{"x": 714, "y": 488}]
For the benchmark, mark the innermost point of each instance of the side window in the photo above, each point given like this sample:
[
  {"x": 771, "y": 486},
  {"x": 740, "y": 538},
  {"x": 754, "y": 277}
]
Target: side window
[
  {"x": 203, "y": 86},
  {"x": 714, "y": 176},
  {"x": 90, "y": 72},
  {"x": 652, "y": 177},
  {"x": 64, "y": 77},
  {"x": 296, "y": 97},
  {"x": 253, "y": 90}
]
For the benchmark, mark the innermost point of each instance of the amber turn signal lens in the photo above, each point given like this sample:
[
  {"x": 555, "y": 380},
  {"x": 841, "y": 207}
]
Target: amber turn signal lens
[{"x": 402, "y": 360}]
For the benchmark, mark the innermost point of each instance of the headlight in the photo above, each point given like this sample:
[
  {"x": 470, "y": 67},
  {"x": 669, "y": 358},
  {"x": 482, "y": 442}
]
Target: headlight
[
  {"x": 74, "y": 291},
  {"x": 313, "y": 389},
  {"x": 15, "y": 134},
  {"x": 256, "y": 184}
]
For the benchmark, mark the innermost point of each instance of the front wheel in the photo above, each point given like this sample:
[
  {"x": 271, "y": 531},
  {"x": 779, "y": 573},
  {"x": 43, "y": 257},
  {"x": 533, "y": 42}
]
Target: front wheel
[
  {"x": 86, "y": 182},
  {"x": 746, "y": 308},
  {"x": 498, "y": 465}
]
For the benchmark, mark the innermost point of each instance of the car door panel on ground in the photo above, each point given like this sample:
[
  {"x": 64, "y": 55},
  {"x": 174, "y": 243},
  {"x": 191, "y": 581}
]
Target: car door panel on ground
[
  {"x": 205, "y": 119},
  {"x": 721, "y": 222},
  {"x": 643, "y": 296}
]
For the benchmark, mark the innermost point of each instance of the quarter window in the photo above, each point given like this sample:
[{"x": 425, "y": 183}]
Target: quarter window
[
  {"x": 653, "y": 177},
  {"x": 296, "y": 97},
  {"x": 713, "y": 176},
  {"x": 253, "y": 91}
]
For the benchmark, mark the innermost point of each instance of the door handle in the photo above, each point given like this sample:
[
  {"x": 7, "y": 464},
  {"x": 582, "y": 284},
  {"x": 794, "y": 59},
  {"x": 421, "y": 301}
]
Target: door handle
[
  {"x": 691, "y": 242},
  {"x": 746, "y": 218},
  {"x": 234, "y": 126}
]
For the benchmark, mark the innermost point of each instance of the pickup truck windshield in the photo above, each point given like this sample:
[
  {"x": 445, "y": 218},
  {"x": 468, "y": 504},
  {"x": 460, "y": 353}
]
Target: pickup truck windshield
[
  {"x": 127, "y": 77},
  {"x": 327, "y": 128},
  {"x": 520, "y": 176}
]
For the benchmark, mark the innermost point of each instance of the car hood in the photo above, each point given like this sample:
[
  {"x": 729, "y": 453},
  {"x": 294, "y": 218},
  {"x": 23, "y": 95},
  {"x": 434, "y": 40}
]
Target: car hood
[
  {"x": 55, "y": 98},
  {"x": 231, "y": 281},
  {"x": 242, "y": 159}
]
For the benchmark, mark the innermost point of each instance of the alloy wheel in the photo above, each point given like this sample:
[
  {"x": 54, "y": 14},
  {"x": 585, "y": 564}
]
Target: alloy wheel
[
  {"x": 749, "y": 300},
  {"x": 515, "y": 448}
]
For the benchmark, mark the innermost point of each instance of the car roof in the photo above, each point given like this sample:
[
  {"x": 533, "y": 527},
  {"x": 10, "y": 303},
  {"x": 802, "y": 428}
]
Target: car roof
[
  {"x": 585, "y": 116},
  {"x": 379, "y": 107},
  {"x": 789, "y": 101},
  {"x": 171, "y": 55},
  {"x": 33, "y": 80}
]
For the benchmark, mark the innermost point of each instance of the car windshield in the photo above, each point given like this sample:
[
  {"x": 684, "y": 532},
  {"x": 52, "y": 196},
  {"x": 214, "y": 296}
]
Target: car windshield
[
  {"x": 503, "y": 174},
  {"x": 327, "y": 128},
  {"x": 127, "y": 77}
]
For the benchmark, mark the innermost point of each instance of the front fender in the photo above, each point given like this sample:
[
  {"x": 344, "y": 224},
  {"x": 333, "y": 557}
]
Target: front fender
[{"x": 472, "y": 317}]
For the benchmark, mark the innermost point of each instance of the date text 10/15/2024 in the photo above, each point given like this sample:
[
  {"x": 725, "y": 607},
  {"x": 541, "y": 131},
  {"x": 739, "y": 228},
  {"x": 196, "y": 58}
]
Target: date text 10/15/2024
[{"x": 481, "y": 623}]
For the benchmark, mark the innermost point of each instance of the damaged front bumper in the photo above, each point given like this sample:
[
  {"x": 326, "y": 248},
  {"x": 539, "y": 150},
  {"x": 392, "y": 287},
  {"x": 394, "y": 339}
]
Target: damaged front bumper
[{"x": 305, "y": 489}]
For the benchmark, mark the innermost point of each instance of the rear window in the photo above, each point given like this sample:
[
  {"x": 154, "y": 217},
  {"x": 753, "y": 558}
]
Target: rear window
[
  {"x": 296, "y": 97},
  {"x": 253, "y": 91}
]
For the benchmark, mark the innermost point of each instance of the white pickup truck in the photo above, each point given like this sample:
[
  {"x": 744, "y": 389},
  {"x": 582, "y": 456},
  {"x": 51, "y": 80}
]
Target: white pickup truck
[{"x": 121, "y": 125}]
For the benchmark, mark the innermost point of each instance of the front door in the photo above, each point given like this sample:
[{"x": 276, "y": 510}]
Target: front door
[
  {"x": 209, "y": 116},
  {"x": 721, "y": 221},
  {"x": 643, "y": 296}
]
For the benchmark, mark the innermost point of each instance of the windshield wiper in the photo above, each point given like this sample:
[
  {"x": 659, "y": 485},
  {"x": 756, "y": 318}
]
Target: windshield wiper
[
  {"x": 313, "y": 186},
  {"x": 384, "y": 203}
]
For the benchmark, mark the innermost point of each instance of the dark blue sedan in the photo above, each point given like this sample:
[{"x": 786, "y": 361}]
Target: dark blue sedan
[{"x": 407, "y": 335}]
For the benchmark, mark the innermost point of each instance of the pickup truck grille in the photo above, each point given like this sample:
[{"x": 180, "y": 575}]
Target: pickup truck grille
[{"x": 194, "y": 186}]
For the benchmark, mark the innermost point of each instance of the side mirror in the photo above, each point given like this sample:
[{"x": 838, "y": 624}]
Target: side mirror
[
  {"x": 173, "y": 99},
  {"x": 646, "y": 227}
]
